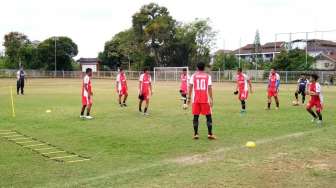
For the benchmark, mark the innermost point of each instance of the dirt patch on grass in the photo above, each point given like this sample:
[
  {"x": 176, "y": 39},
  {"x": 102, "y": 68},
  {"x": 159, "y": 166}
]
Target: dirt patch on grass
[{"x": 281, "y": 166}]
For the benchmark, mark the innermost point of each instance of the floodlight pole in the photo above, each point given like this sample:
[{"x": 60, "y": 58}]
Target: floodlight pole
[
  {"x": 275, "y": 46},
  {"x": 224, "y": 55},
  {"x": 239, "y": 52},
  {"x": 306, "y": 48},
  {"x": 55, "y": 58}
]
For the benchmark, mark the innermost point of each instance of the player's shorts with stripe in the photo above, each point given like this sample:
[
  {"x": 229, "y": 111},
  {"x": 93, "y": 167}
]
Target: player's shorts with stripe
[
  {"x": 86, "y": 100},
  {"x": 316, "y": 104},
  {"x": 272, "y": 92},
  {"x": 243, "y": 94},
  {"x": 123, "y": 91},
  {"x": 201, "y": 109},
  {"x": 145, "y": 95}
]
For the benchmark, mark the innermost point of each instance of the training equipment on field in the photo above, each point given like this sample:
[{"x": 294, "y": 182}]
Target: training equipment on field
[
  {"x": 43, "y": 148},
  {"x": 250, "y": 144},
  {"x": 168, "y": 73},
  {"x": 12, "y": 100}
]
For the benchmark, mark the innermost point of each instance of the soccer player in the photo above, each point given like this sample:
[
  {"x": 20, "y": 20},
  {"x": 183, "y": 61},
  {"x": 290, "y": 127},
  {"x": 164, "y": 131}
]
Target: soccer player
[
  {"x": 200, "y": 86},
  {"x": 121, "y": 87},
  {"x": 301, "y": 88},
  {"x": 20, "y": 76},
  {"x": 242, "y": 89},
  {"x": 87, "y": 94},
  {"x": 273, "y": 89},
  {"x": 184, "y": 86},
  {"x": 145, "y": 90},
  {"x": 316, "y": 99}
]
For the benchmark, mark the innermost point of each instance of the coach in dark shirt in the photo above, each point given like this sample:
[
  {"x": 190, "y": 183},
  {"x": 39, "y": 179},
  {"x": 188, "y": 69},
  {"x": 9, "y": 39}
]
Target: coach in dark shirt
[{"x": 20, "y": 76}]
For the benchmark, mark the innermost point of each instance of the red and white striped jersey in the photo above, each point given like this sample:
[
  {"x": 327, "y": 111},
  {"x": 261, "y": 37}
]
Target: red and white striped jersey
[
  {"x": 184, "y": 82},
  {"x": 86, "y": 80},
  {"x": 315, "y": 87},
  {"x": 145, "y": 80},
  {"x": 200, "y": 82},
  {"x": 122, "y": 82},
  {"x": 272, "y": 80},
  {"x": 242, "y": 81}
]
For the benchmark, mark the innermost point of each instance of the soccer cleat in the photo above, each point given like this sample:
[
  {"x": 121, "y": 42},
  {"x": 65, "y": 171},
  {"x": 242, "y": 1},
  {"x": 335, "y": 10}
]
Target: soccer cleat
[
  {"x": 211, "y": 137},
  {"x": 277, "y": 108},
  {"x": 319, "y": 123},
  {"x": 196, "y": 137},
  {"x": 124, "y": 104},
  {"x": 88, "y": 117},
  {"x": 242, "y": 111},
  {"x": 266, "y": 108},
  {"x": 313, "y": 120},
  {"x": 82, "y": 116},
  {"x": 146, "y": 114}
]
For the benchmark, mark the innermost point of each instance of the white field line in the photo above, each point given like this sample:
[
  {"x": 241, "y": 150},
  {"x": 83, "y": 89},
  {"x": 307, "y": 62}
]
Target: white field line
[
  {"x": 17, "y": 135},
  {"x": 33, "y": 145},
  {"x": 75, "y": 161},
  {"x": 52, "y": 152},
  {"x": 199, "y": 158},
  {"x": 62, "y": 157},
  {"x": 5, "y": 133},
  {"x": 39, "y": 149},
  {"x": 24, "y": 138}
]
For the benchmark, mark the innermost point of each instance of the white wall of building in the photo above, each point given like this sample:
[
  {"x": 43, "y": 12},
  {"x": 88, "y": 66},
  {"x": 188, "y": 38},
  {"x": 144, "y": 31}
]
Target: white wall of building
[{"x": 93, "y": 67}]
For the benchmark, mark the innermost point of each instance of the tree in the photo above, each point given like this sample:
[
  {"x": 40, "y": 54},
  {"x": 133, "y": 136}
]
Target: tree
[
  {"x": 154, "y": 28},
  {"x": 257, "y": 48},
  {"x": 123, "y": 50},
  {"x": 204, "y": 39},
  {"x": 13, "y": 42},
  {"x": 66, "y": 49},
  {"x": 292, "y": 60},
  {"x": 156, "y": 39},
  {"x": 225, "y": 61}
]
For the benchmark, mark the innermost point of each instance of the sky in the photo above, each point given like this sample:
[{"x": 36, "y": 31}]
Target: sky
[{"x": 90, "y": 23}]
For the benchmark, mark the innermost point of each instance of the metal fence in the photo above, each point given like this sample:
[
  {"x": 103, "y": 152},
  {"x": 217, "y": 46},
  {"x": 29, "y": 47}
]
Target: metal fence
[{"x": 217, "y": 76}]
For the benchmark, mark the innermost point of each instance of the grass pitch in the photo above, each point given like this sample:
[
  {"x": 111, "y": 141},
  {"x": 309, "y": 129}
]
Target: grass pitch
[{"x": 130, "y": 150}]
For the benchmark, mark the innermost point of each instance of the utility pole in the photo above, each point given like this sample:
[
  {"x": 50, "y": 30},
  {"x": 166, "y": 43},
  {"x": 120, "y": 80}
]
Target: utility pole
[
  {"x": 224, "y": 55},
  {"x": 306, "y": 48},
  {"x": 55, "y": 57},
  {"x": 239, "y": 52}
]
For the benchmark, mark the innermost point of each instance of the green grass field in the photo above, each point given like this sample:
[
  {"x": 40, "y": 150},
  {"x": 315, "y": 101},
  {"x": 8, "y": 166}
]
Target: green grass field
[{"x": 128, "y": 149}]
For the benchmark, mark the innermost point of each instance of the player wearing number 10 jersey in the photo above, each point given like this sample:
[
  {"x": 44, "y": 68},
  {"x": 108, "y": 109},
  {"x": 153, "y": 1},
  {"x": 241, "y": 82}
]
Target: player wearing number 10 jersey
[{"x": 200, "y": 92}]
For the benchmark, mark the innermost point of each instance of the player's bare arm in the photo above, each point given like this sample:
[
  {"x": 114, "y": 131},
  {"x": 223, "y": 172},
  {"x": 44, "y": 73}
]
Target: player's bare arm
[
  {"x": 139, "y": 87},
  {"x": 250, "y": 85},
  {"x": 210, "y": 95},
  {"x": 117, "y": 83},
  {"x": 190, "y": 87},
  {"x": 150, "y": 87}
]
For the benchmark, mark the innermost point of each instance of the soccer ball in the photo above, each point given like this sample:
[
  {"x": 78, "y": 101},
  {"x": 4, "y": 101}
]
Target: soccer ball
[
  {"x": 185, "y": 106},
  {"x": 250, "y": 144},
  {"x": 295, "y": 103}
]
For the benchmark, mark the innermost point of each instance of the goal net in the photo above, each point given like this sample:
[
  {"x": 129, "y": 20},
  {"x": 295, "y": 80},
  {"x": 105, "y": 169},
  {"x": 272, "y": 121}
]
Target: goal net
[{"x": 168, "y": 73}]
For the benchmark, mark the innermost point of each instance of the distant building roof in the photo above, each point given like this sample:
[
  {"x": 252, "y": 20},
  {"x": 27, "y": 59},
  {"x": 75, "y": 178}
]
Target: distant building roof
[
  {"x": 88, "y": 60},
  {"x": 269, "y": 47},
  {"x": 223, "y": 51}
]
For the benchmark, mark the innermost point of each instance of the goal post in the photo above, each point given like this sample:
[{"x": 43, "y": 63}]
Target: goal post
[{"x": 168, "y": 73}]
